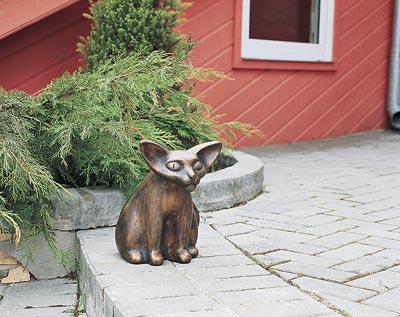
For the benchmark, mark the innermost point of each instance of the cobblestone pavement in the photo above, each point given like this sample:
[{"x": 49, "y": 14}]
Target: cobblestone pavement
[
  {"x": 46, "y": 298},
  {"x": 322, "y": 240},
  {"x": 329, "y": 221},
  {"x": 222, "y": 282}
]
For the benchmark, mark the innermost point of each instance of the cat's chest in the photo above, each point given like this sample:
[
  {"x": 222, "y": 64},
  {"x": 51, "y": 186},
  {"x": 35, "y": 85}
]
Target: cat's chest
[
  {"x": 164, "y": 197},
  {"x": 174, "y": 199}
]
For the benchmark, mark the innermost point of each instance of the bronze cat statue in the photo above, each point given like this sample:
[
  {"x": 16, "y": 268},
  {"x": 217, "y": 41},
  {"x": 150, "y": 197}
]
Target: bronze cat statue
[{"x": 160, "y": 221}]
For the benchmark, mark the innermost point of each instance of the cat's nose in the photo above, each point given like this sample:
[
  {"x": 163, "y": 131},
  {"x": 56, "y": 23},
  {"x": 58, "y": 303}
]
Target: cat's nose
[{"x": 192, "y": 175}]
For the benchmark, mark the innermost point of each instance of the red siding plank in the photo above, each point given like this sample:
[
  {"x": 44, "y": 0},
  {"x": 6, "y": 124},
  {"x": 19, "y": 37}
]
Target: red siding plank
[
  {"x": 214, "y": 16},
  {"x": 18, "y": 14},
  {"x": 27, "y": 56}
]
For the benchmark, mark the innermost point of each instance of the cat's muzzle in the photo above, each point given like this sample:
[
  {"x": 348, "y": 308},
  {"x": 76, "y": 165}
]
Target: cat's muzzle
[{"x": 192, "y": 185}]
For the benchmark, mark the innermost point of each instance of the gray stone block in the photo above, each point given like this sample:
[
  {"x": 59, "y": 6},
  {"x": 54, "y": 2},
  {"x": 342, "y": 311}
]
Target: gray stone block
[
  {"x": 44, "y": 265},
  {"x": 388, "y": 300},
  {"x": 5, "y": 268},
  {"x": 334, "y": 289},
  {"x": 59, "y": 286},
  {"x": 40, "y": 312},
  {"x": 231, "y": 186},
  {"x": 305, "y": 307},
  {"x": 357, "y": 309},
  {"x": 35, "y": 301},
  {"x": 86, "y": 208}
]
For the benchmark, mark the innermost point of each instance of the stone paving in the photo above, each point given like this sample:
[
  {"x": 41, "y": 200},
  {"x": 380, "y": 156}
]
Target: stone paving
[
  {"x": 221, "y": 282},
  {"x": 322, "y": 240},
  {"x": 46, "y": 298},
  {"x": 329, "y": 222}
]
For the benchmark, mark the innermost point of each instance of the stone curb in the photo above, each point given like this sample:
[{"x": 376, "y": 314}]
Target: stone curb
[
  {"x": 231, "y": 186},
  {"x": 99, "y": 207}
]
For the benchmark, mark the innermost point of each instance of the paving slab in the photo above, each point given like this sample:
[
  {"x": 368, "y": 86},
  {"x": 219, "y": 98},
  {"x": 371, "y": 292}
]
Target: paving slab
[
  {"x": 388, "y": 300},
  {"x": 335, "y": 289},
  {"x": 46, "y": 298},
  {"x": 379, "y": 282},
  {"x": 342, "y": 192},
  {"x": 223, "y": 282},
  {"x": 357, "y": 309}
]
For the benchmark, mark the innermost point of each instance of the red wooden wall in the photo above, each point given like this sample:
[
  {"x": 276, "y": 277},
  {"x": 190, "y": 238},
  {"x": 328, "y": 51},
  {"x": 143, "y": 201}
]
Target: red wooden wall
[
  {"x": 291, "y": 105},
  {"x": 33, "y": 56},
  {"x": 287, "y": 105}
]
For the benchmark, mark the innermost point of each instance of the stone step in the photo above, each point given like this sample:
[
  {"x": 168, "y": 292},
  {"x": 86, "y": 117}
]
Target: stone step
[
  {"x": 220, "y": 282},
  {"x": 47, "y": 298}
]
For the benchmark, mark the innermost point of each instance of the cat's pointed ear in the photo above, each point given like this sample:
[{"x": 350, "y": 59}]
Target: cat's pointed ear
[
  {"x": 207, "y": 152},
  {"x": 154, "y": 154}
]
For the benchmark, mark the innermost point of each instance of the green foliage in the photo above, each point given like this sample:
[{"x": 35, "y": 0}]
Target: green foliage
[
  {"x": 84, "y": 129},
  {"x": 121, "y": 27},
  {"x": 94, "y": 121},
  {"x": 8, "y": 221},
  {"x": 26, "y": 186}
]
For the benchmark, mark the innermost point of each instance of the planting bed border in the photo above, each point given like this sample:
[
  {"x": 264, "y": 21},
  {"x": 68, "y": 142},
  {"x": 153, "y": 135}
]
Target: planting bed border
[{"x": 100, "y": 206}]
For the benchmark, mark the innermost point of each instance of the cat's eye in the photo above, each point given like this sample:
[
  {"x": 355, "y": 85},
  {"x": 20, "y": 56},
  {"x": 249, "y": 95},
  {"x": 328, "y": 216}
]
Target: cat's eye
[
  {"x": 197, "y": 166},
  {"x": 173, "y": 166}
]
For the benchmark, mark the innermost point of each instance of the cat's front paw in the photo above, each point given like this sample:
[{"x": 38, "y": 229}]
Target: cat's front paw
[
  {"x": 184, "y": 256},
  {"x": 193, "y": 252},
  {"x": 156, "y": 258}
]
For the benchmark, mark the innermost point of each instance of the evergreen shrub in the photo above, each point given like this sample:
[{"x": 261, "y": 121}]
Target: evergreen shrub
[
  {"x": 94, "y": 121},
  {"x": 26, "y": 186},
  {"x": 84, "y": 129},
  {"x": 121, "y": 27}
]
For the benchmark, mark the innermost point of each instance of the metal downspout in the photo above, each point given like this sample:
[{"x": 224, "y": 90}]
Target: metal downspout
[{"x": 394, "y": 80}]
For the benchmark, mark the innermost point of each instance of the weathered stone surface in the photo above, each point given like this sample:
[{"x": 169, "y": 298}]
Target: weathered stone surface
[
  {"x": 388, "y": 300},
  {"x": 304, "y": 307},
  {"x": 218, "y": 284},
  {"x": 344, "y": 192},
  {"x": 86, "y": 208},
  {"x": 356, "y": 309},
  {"x": 230, "y": 186},
  {"x": 369, "y": 263},
  {"x": 333, "y": 289},
  {"x": 380, "y": 282},
  {"x": 47, "y": 298},
  {"x": 5, "y": 259},
  {"x": 39, "y": 312},
  {"x": 43, "y": 266},
  {"x": 5, "y": 268},
  {"x": 26, "y": 302},
  {"x": 350, "y": 252}
]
